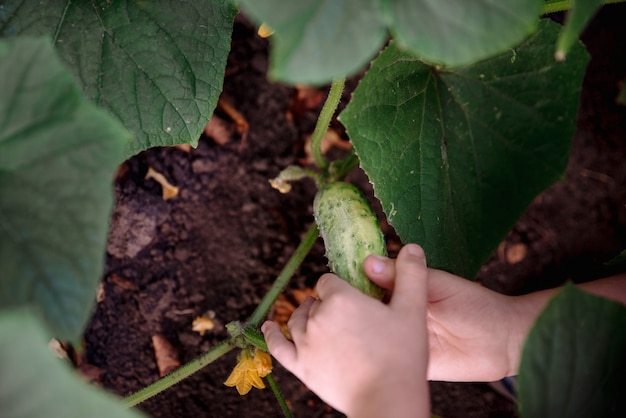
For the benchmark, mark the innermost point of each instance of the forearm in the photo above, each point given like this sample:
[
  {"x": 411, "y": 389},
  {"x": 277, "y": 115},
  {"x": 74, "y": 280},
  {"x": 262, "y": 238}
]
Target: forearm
[{"x": 526, "y": 309}]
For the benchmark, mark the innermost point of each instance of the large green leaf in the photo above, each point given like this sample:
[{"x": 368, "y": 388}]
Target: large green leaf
[
  {"x": 456, "y": 156},
  {"x": 58, "y": 155},
  {"x": 574, "y": 362},
  {"x": 317, "y": 41},
  {"x": 34, "y": 384},
  {"x": 157, "y": 65},
  {"x": 458, "y": 32}
]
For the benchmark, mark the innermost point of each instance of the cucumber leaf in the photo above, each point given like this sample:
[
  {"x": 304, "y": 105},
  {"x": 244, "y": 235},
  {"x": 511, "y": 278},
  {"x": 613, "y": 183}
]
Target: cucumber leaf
[
  {"x": 158, "y": 65},
  {"x": 460, "y": 32},
  {"x": 35, "y": 384},
  {"x": 455, "y": 156},
  {"x": 573, "y": 363},
  {"x": 317, "y": 41},
  {"x": 58, "y": 156}
]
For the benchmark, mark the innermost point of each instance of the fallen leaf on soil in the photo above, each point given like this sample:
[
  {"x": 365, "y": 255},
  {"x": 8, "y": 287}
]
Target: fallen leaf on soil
[
  {"x": 90, "y": 373},
  {"x": 165, "y": 354},
  {"x": 169, "y": 191},
  {"x": 202, "y": 324},
  {"x": 183, "y": 147},
  {"x": 281, "y": 311},
  {"x": 218, "y": 130},
  {"x": 122, "y": 171},
  {"x": 240, "y": 121},
  {"x": 283, "y": 308},
  {"x": 301, "y": 294},
  {"x": 304, "y": 98},
  {"x": 122, "y": 282},
  {"x": 100, "y": 293},
  {"x": 331, "y": 139}
]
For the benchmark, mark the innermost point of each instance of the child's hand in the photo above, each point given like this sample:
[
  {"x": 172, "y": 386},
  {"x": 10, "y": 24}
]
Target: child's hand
[
  {"x": 359, "y": 355},
  {"x": 473, "y": 334}
]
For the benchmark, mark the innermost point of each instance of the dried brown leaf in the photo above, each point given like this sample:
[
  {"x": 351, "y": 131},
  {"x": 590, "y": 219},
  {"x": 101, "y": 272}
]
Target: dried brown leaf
[
  {"x": 183, "y": 147},
  {"x": 218, "y": 130},
  {"x": 304, "y": 99},
  {"x": 240, "y": 121},
  {"x": 122, "y": 282},
  {"x": 301, "y": 294},
  {"x": 100, "y": 293},
  {"x": 90, "y": 373},
  {"x": 331, "y": 139},
  {"x": 165, "y": 354}
]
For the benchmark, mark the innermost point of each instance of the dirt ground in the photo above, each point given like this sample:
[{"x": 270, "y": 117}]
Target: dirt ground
[{"x": 215, "y": 248}]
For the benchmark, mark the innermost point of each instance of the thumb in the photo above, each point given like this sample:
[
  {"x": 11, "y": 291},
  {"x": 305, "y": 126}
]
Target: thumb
[
  {"x": 411, "y": 285},
  {"x": 380, "y": 270}
]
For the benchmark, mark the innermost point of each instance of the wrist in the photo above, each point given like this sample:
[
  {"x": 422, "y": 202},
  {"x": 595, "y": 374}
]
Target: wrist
[
  {"x": 397, "y": 399},
  {"x": 524, "y": 312}
]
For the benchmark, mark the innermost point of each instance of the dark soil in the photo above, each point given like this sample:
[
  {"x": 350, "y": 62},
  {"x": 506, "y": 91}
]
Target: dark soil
[{"x": 219, "y": 244}]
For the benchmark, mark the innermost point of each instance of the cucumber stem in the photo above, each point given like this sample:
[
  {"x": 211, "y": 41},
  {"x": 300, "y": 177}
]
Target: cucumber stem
[
  {"x": 563, "y": 5},
  {"x": 326, "y": 114},
  {"x": 179, "y": 374},
  {"x": 279, "y": 395},
  {"x": 283, "y": 278}
]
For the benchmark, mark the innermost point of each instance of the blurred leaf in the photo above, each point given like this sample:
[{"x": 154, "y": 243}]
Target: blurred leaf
[
  {"x": 35, "y": 384},
  {"x": 158, "y": 66},
  {"x": 578, "y": 16},
  {"x": 58, "y": 155},
  {"x": 456, "y": 156},
  {"x": 315, "y": 41},
  {"x": 574, "y": 362},
  {"x": 460, "y": 32}
]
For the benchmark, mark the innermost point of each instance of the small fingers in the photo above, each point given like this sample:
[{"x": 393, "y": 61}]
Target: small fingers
[
  {"x": 330, "y": 284},
  {"x": 299, "y": 317},
  {"x": 411, "y": 283},
  {"x": 380, "y": 270},
  {"x": 279, "y": 346}
]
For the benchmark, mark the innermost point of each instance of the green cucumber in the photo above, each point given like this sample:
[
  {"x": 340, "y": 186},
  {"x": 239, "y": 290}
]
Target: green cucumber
[{"x": 351, "y": 232}]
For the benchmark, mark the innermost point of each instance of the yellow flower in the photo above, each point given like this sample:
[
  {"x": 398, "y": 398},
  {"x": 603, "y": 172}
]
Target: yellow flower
[
  {"x": 263, "y": 363},
  {"x": 249, "y": 371}
]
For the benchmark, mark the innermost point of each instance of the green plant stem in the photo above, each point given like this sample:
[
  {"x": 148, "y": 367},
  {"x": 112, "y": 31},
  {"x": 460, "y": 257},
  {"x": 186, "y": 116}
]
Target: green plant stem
[
  {"x": 562, "y": 5},
  {"x": 281, "y": 281},
  {"x": 328, "y": 110},
  {"x": 180, "y": 373},
  {"x": 279, "y": 395},
  {"x": 340, "y": 168},
  {"x": 228, "y": 344}
]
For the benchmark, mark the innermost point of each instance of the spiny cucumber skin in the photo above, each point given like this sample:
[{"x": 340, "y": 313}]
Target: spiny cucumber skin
[{"x": 351, "y": 232}]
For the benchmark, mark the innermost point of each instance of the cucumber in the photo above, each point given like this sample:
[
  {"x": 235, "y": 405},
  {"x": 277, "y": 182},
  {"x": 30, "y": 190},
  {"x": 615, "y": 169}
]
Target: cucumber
[{"x": 351, "y": 232}]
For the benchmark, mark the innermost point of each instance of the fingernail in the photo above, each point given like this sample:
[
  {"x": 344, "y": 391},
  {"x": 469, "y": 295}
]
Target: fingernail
[
  {"x": 415, "y": 250},
  {"x": 264, "y": 326},
  {"x": 377, "y": 264}
]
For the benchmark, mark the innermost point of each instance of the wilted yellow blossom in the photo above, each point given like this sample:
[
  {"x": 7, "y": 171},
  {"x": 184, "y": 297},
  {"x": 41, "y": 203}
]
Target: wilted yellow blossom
[
  {"x": 249, "y": 371},
  {"x": 265, "y": 31}
]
